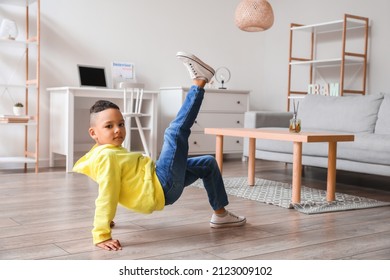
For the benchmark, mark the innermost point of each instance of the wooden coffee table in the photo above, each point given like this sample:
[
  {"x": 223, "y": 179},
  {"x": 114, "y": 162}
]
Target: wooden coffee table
[{"x": 284, "y": 135}]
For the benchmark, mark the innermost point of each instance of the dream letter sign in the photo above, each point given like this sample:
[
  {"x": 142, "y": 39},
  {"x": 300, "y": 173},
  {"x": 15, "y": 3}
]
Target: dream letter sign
[{"x": 331, "y": 89}]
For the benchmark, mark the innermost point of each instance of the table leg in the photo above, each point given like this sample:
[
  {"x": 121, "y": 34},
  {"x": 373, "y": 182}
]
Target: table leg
[
  {"x": 219, "y": 151},
  {"x": 70, "y": 138},
  {"x": 297, "y": 172},
  {"x": 251, "y": 161},
  {"x": 331, "y": 180}
]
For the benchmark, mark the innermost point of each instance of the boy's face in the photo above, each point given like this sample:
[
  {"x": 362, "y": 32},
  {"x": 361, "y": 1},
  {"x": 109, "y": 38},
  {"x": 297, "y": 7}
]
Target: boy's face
[{"x": 108, "y": 127}]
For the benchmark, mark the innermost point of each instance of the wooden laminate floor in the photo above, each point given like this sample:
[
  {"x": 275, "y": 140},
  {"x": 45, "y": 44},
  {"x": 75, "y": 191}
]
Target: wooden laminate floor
[{"x": 49, "y": 216}]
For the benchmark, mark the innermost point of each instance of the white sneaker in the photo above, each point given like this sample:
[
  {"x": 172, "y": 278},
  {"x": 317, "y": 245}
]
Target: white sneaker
[
  {"x": 228, "y": 220},
  {"x": 197, "y": 68}
]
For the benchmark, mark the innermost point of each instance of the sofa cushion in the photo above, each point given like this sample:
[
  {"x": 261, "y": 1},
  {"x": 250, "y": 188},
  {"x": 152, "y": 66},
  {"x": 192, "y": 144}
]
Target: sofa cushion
[
  {"x": 352, "y": 114},
  {"x": 368, "y": 148},
  {"x": 383, "y": 122}
]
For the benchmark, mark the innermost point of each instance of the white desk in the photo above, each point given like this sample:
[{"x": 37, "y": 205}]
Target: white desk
[{"x": 69, "y": 121}]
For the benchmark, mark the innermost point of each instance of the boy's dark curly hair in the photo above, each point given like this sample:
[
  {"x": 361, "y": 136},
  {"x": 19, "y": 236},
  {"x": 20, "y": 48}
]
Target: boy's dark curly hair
[
  {"x": 99, "y": 106},
  {"x": 102, "y": 105}
]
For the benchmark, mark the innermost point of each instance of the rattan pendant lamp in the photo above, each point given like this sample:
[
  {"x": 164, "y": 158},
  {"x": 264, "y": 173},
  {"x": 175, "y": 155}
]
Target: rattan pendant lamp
[{"x": 254, "y": 15}]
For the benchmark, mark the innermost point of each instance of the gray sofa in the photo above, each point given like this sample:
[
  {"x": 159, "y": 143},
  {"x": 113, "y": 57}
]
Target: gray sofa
[{"x": 367, "y": 117}]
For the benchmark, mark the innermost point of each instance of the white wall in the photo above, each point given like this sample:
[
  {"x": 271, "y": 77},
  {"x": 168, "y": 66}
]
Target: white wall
[{"x": 149, "y": 32}]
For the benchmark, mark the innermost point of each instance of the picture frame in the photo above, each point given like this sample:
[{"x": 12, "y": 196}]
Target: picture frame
[{"x": 122, "y": 72}]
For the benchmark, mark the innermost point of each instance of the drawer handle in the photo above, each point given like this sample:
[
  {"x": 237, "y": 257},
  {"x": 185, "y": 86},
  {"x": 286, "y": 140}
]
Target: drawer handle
[
  {"x": 238, "y": 122},
  {"x": 195, "y": 142},
  {"x": 238, "y": 102},
  {"x": 238, "y": 141},
  {"x": 196, "y": 121}
]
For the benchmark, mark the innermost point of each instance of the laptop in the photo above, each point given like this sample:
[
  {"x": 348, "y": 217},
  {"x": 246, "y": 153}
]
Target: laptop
[{"x": 92, "y": 76}]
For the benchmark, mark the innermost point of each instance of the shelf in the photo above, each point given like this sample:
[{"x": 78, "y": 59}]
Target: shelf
[
  {"x": 20, "y": 124},
  {"x": 331, "y": 26},
  {"x": 12, "y": 86},
  {"x": 328, "y": 62},
  {"x": 297, "y": 96},
  {"x": 309, "y": 55},
  {"x": 18, "y": 86},
  {"x": 17, "y": 160},
  {"x": 22, "y": 3},
  {"x": 29, "y": 49},
  {"x": 13, "y": 43},
  {"x": 21, "y": 43}
]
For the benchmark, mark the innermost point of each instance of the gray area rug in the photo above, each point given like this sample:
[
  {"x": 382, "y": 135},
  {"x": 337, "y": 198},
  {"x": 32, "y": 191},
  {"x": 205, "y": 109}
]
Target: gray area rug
[{"x": 313, "y": 201}]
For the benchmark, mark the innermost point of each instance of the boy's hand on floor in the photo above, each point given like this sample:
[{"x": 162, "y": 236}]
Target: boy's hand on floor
[{"x": 110, "y": 245}]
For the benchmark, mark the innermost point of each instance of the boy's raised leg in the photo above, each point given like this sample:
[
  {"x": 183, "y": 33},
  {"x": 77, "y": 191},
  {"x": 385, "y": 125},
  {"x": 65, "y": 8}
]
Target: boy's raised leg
[{"x": 172, "y": 163}]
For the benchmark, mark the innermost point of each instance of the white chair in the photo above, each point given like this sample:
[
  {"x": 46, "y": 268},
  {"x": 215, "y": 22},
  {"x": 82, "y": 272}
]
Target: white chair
[{"x": 132, "y": 104}]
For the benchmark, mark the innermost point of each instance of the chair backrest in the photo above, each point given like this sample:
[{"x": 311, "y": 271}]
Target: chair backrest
[{"x": 132, "y": 92}]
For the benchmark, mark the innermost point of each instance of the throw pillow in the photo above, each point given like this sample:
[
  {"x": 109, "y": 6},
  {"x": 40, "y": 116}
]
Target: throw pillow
[
  {"x": 351, "y": 113},
  {"x": 383, "y": 123}
]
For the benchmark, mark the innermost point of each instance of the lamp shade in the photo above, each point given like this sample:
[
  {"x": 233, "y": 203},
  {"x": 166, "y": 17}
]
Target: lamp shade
[{"x": 254, "y": 15}]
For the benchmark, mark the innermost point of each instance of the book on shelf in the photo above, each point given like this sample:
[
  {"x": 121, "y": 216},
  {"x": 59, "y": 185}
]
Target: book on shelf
[{"x": 14, "y": 119}]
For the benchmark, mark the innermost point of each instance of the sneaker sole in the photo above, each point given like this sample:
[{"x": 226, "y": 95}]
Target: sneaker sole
[
  {"x": 238, "y": 224},
  {"x": 197, "y": 60}
]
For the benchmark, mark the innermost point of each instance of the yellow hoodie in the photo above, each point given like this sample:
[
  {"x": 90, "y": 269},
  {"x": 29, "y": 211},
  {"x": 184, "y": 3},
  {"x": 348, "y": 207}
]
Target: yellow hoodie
[{"x": 124, "y": 177}]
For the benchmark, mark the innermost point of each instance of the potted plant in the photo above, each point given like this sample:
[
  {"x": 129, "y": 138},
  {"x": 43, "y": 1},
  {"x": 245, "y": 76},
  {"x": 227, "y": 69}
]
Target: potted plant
[{"x": 18, "y": 109}]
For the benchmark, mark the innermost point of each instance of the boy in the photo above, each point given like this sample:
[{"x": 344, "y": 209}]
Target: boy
[{"x": 134, "y": 181}]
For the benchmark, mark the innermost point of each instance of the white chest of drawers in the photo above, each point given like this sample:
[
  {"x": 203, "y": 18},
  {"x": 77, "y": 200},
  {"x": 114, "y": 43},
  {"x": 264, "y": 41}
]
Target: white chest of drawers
[{"x": 220, "y": 108}]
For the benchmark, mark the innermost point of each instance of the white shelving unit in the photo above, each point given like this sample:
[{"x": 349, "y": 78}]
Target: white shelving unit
[
  {"x": 347, "y": 58},
  {"x": 30, "y": 75}
]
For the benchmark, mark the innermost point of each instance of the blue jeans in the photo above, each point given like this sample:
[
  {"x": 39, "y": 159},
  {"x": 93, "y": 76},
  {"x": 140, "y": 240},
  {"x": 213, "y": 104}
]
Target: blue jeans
[{"x": 175, "y": 170}]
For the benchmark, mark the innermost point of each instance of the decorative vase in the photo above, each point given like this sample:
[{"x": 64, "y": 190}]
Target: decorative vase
[
  {"x": 295, "y": 125},
  {"x": 8, "y": 29},
  {"x": 18, "y": 111}
]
